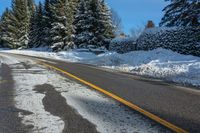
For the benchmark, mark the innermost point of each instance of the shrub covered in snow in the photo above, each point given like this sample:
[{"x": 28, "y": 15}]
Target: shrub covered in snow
[
  {"x": 123, "y": 45},
  {"x": 183, "y": 40}
]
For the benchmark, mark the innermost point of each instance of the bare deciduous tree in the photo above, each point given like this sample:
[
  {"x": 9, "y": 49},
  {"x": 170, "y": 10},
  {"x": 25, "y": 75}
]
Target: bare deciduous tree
[
  {"x": 136, "y": 31},
  {"x": 117, "y": 21}
]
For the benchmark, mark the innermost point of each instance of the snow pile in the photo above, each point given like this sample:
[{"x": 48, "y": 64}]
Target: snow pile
[
  {"x": 182, "y": 40},
  {"x": 158, "y": 63}
]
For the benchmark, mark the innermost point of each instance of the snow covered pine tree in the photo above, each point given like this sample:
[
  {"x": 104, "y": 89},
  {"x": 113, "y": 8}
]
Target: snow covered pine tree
[
  {"x": 181, "y": 13},
  {"x": 83, "y": 25},
  {"x": 93, "y": 23},
  {"x": 16, "y": 23},
  {"x": 5, "y": 30},
  {"x": 36, "y": 35},
  {"x": 62, "y": 27}
]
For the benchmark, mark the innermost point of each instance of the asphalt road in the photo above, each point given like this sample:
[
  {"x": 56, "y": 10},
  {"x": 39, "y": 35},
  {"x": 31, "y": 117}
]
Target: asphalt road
[
  {"x": 53, "y": 102},
  {"x": 9, "y": 120},
  {"x": 175, "y": 104}
]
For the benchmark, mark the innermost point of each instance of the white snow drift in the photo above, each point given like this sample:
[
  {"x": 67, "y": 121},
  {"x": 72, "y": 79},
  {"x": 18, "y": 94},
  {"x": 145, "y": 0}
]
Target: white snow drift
[{"x": 158, "y": 63}]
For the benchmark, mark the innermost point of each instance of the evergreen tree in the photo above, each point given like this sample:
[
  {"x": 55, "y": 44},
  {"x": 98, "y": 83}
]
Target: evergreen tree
[
  {"x": 48, "y": 20},
  {"x": 71, "y": 9},
  {"x": 37, "y": 28},
  {"x": 59, "y": 24},
  {"x": 21, "y": 23},
  {"x": 193, "y": 14},
  {"x": 102, "y": 27},
  {"x": 83, "y": 24},
  {"x": 1, "y": 41},
  {"x": 6, "y": 36},
  {"x": 93, "y": 23},
  {"x": 31, "y": 6},
  {"x": 181, "y": 13},
  {"x": 106, "y": 20},
  {"x": 59, "y": 30},
  {"x": 96, "y": 23}
]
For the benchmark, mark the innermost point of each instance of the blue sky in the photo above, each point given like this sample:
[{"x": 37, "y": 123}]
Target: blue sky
[{"x": 134, "y": 13}]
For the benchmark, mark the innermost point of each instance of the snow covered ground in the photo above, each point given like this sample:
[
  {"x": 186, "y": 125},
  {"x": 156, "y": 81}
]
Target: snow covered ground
[
  {"x": 107, "y": 114},
  {"x": 158, "y": 63}
]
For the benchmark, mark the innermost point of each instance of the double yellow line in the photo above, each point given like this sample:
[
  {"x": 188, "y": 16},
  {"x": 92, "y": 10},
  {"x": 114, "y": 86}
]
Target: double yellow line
[{"x": 127, "y": 103}]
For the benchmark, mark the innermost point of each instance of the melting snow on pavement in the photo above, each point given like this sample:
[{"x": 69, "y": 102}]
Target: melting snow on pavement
[
  {"x": 107, "y": 114},
  {"x": 26, "y": 99},
  {"x": 158, "y": 63}
]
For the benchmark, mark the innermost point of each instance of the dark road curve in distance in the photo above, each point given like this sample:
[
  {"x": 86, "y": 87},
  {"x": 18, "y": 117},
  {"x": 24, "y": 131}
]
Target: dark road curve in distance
[{"x": 175, "y": 104}]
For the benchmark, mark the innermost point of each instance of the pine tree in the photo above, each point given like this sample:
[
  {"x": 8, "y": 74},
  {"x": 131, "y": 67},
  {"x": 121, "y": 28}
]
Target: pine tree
[
  {"x": 173, "y": 13},
  {"x": 37, "y": 28},
  {"x": 48, "y": 20},
  {"x": 59, "y": 24},
  {"x": 6, "y": 36},
  {"x": 31, "y": 6},
  {"x": 102, "y": 26},
  {"x": 93, "y": 23},
  {"x": 21, "y": 23},
  {"x": 83, "y": 24},
  {"x": 193, "y": 14},
  {"x": 181, "y": 13},
  {"x": 96, "y": 24},
  {"x": 1, "y": 41},
  {"x": 71, "y": 9},
  {"x": 59, "y": 30},
  {"x": 106, "y": 20}
]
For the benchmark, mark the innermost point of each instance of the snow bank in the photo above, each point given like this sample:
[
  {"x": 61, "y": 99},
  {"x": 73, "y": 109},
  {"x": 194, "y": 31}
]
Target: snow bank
[{"x": 158, "y": 63}]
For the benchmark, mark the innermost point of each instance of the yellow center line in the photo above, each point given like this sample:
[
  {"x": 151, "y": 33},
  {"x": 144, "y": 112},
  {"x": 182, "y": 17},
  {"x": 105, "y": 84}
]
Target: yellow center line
[{"x": 127, "y": 103}]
